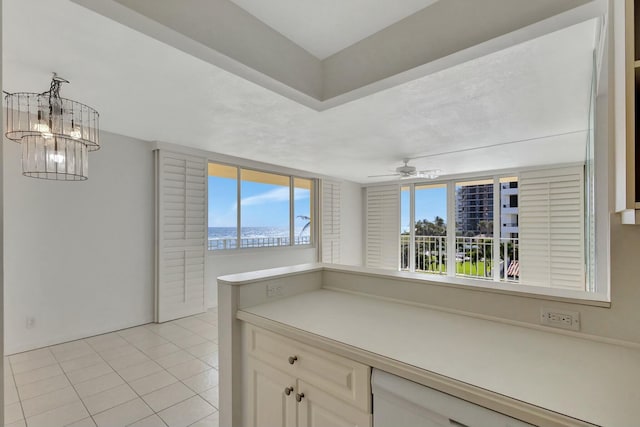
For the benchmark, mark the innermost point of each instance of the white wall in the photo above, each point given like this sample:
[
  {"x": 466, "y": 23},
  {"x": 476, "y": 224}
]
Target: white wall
[{"x": 79, "y": 255}]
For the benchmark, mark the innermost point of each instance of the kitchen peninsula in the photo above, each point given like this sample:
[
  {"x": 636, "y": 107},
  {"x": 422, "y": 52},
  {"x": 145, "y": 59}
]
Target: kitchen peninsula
[{"x": 343, "y": 319}]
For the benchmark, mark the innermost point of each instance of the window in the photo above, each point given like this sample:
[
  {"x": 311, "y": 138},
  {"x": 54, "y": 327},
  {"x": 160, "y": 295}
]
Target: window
[
  {"x": 302, "y": 210},
  {"x": 427, "y": 239},
  {"x": 255, "y": 209},
  {"x": 474, "y": 228},
  {"x": 265, "y": 201},
  {"x": 223, "y": 215},
  {"x": 527, "y": 229}
]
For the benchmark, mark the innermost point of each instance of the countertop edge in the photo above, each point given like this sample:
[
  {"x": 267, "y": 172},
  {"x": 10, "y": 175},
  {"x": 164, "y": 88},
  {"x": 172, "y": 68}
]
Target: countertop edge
[{"x": 240, "y": 279}]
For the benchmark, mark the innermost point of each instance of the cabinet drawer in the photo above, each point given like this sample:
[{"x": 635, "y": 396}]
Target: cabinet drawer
[{"x": 340, "y": 377}]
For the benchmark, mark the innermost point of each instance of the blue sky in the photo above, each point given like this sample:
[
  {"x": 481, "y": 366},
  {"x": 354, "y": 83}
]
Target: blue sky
[
  {"x": 430, "y": 202},
  {"x": 263, "y": 205}
]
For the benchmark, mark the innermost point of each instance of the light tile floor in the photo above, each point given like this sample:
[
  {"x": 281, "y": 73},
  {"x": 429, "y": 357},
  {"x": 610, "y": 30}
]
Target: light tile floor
[{"x": 151, "y": 375}]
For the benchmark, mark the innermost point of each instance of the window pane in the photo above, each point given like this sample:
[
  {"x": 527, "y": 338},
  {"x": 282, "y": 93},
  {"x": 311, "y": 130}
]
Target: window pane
[
  {"x": 474, "y": 228},
  {"x": 264, "y": 209},
  {"x": 405, "y": 226},
  {"x": 302, "y": 209},
  {"x": 223, "y": 213},
  {"x": 431, "y": 228},
  {"x": 509, "y": 262}
]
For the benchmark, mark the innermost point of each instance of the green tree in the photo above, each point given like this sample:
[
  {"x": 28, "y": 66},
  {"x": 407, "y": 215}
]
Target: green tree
[
  {"x": 485, "y": 227},
  {"x": 429, "y": 255}
]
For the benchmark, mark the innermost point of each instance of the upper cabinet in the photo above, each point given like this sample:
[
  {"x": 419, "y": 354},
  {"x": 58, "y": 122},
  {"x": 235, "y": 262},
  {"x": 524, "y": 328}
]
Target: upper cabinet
[{"x": 627, "y": 63}]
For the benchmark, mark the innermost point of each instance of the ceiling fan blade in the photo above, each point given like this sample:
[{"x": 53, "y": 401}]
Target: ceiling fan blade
[
  {"x": 380, "y": 176},
  {"x": 429, "y": 173}
]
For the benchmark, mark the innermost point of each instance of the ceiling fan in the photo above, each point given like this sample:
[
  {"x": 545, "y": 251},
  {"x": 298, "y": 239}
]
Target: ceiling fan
[{"x": 405, "y": 172}]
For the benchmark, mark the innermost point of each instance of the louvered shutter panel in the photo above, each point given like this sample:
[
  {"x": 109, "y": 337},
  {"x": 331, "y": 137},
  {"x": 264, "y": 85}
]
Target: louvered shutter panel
[
  {"x": 551, "y": 226},
  {"x": 181, "y": 235},
  {"x": 383, "y": 227},
  {"x": 330, "y": 227}
]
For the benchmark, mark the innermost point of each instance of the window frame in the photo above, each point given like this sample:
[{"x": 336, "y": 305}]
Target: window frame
[
  {"x": 313, "y": 232},
  {"x": 600, "y": 296},
  {"x": 451, "y": 223}
]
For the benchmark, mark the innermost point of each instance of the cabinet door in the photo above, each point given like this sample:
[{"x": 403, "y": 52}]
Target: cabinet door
[
  {"x": 344, "y": 379},
  {"x": 267, "y": 401},
  {"x": 319, "y": 409}
]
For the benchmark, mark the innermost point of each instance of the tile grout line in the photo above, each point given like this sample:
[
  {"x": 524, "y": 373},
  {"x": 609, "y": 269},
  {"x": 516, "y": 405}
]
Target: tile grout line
[
  {"x": 165, "y": 369},
  {"x": 74, "y": 386},
  {"x": 125, "y": 381},
  {"x": 182, "y": 381},
  {"x": 147, "y": 328},
  {"x": 178, "y": 379},
  {"x": 77, "y": 394},
  {"x": 13, "y": 376}
]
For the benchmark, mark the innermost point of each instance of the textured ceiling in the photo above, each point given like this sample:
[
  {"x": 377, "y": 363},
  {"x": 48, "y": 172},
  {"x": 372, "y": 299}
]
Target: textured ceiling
[
  {"x": 148, "y": 90},
  {"x": 326, "y": 27}
]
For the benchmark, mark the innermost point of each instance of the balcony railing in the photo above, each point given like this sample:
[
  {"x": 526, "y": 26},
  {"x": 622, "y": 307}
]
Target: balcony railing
[
  {"x": 473, "y": 257},
  {"x": 256, "y": 242}
]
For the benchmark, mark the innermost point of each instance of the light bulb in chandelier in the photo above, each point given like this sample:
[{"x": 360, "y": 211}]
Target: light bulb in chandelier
[
  {"x": 41, "y": 126},
  {"x": 57, "y": 157},
  {"x": 44, "y": 130},
  {"x": 75, "y": 133}
]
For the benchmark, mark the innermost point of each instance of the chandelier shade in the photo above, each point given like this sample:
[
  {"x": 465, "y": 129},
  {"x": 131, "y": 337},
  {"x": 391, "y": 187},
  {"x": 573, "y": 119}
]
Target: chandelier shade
[
  {"x": 57, "y": 158},
  {"x": 34, "y": 114},
  {"x": 56, "y": 133}
]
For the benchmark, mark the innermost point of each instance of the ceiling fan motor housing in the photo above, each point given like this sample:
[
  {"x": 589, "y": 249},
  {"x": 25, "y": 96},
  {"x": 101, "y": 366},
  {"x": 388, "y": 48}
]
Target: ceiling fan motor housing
[{"x": 406, "y": 170}]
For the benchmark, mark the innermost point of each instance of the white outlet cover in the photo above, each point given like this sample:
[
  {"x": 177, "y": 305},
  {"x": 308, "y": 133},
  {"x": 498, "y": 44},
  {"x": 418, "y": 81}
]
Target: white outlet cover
[
  {"x": 274, "y": 290},
  {"x": 547, "y": 315}
]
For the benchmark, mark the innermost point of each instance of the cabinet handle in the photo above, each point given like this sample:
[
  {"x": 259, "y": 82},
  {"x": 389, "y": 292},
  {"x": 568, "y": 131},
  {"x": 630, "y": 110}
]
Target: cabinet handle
[
  {"x": 292, "y": 359},
  {"x": 299, "y": 397},
  {"x": 288, "y": 390}
]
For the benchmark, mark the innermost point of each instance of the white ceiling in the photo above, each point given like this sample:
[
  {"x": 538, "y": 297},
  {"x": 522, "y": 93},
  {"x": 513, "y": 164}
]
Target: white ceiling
[
  {"x": 328, "y": 26},
  {"x": 146, "y": 89}
]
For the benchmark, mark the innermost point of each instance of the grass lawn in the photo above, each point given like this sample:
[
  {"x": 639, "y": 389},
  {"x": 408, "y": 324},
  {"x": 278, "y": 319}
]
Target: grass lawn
[
  {"x": 470, "y": 269},
  {"x": 467, "y": 268}
]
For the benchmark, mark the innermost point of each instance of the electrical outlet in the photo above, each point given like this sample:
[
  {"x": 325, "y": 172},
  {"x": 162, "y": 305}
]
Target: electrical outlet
[
  {"x": 560, "y": 318},
  {"x": 31, "y": 322},
  {"x": 274, "y": 291}
]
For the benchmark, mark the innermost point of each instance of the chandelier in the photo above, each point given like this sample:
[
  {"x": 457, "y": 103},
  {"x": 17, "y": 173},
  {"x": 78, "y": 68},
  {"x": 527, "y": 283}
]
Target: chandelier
[{"x": 56, "y": 133}]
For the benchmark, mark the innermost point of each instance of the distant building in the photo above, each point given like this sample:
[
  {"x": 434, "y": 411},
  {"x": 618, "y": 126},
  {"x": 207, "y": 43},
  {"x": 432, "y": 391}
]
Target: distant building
[
  {"x": 509, "y": 209},
  {"x": 474, "y": 209}
]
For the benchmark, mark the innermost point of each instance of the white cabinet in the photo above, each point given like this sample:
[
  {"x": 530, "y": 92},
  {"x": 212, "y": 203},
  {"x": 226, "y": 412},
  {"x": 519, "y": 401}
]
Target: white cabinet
[
  {"x": 627, "y": 66},
  {"x": 292, "y": 384},
  {"x": 270, "y": 396}
]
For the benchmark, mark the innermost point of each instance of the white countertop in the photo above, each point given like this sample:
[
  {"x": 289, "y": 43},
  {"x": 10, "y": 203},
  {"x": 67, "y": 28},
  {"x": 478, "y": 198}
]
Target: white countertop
[
  {"x": 239, "y": 279},
  {"x": 588, "y": 380}
]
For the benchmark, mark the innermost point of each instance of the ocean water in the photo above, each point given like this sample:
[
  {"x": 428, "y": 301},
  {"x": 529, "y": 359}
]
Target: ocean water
[{"x": 251, "y": 232}]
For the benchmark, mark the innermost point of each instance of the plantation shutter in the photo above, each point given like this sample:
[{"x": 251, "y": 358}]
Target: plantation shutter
[
  {"x": 330, "y": 226},
  {"x": 383, "y": 227},
  {"x": 181, "y": 222},
  {"x": 551, "y": 225}
]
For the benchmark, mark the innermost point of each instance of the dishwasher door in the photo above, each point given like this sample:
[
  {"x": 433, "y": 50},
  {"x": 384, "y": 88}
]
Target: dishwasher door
[{"x": 398, "y": 402}]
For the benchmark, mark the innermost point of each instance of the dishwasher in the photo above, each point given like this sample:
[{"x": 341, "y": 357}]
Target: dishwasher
[{"x": 398, "y": 402}]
